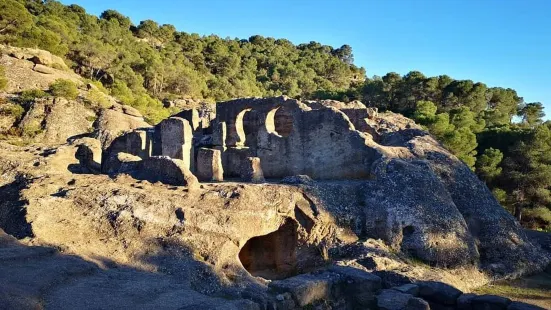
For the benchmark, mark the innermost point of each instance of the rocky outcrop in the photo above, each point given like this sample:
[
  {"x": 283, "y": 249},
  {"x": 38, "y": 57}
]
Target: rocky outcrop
[
  {"x": 115, "y": 121},
  {"x": 370, "y": 199},
  {"x": 36, "y": 56},
  {"x": 55, "y": 120},
  {"x": 33, "y": 69}
]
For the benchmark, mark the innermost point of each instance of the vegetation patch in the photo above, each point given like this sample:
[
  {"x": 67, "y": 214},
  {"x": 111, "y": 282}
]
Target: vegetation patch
[{"x": 64, "y": 88}]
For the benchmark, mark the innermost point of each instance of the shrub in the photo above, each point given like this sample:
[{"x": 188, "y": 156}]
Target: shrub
[
  {"x": 30, "y": 95},
  {"x": 32, "y": 129},
  {"x": 3, "y": 80},
  {"x": 97, "y": 98},
  {"x": 64, "y": 88},
  {"x": 14, "y": 110}
]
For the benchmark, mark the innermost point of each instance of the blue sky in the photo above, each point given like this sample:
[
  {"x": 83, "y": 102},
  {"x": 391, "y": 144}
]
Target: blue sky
[{"x": 503, "y": 43}]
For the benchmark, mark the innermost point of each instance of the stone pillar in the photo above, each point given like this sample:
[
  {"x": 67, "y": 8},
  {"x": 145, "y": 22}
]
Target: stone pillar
[
  {"x": 219, "y": 134},
  {"x": 251, "y": 171},
  {"x": 177, "y": 140},
  {"x": 209, "y": 165}
]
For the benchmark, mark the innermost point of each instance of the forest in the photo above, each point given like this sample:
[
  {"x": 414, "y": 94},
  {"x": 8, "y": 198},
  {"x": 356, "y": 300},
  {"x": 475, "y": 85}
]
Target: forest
[{"x": 502, "y": 138}]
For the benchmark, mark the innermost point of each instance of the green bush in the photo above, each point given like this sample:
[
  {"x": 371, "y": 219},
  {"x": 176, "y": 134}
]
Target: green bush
[
  {"x": 64, "y": 88},
  {"x": 32, "y": 129},
  {"x": 97, "y": 99},
  {"x": 3, "y": 80},
  {"x": 30, "y": 95},
  {"x": 14, "y": 110}
]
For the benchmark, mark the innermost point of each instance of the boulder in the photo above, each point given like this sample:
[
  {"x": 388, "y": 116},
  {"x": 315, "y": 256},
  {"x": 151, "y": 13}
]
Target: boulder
[
  {"x": 37, "y": 56},
  {"x": 417, "y": 304},
  {"x": 464, "y": 302},
  {"x": 490, "y": 302},
  {"x": 393, "y": 300},
  {"x": 112, "y": 123},
  {"x": 43, "y": 69},
  {"x": 408, "y": 289},
  {"x": 165, "y": 170},
  {"x": 56, "y": 120},
  {"x": 307, "y": 288},
  {"x": 438, "y": 292}
]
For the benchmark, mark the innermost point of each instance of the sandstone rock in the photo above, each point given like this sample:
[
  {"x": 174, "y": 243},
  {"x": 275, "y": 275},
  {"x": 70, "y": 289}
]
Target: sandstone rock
[
  {"x": 393, "y": 300},
  {"x": 439, "y": 292},
  {"x": 251, "y": 171},
  {"x": 37, "y": 56},
  {"x": 165, "y": 170},
  {"x": 112, "y": 123},
  {"x": 417, "y": 304},
  {"x": 209, "y": 165},
  {"x": 408, "y": 289},
  {"x": 128, "y": 110},
  {"x": 56, "y": 120},
  {"x": 306, "y": 288},
  {"x": 89, "y": 154},
  {"x": 297, "y": 179},
  {"x": 490, "y": 302},
  {"x": 464, "y": 302},
  {"x": 43, "y": 69}
]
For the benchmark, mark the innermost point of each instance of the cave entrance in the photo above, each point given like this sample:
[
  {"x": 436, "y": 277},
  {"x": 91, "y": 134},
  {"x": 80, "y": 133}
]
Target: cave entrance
[{"x": 272, "y": 256}]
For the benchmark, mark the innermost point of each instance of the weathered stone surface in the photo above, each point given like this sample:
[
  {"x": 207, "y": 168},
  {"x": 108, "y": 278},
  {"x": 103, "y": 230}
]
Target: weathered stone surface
[
  {"x": 417, "y": 304},
  {"x": 89, "y": 154},
  {"x": 43, "y": 69},
  {"x": 307, "y": 288},
  {"x": 408, "y": 289},
  {"x": 439, "y": 292},
  {"x": 464, "y": 302},
  {"x": 137, "y": 143},
  {"x": 393, "y": 300},
  {"x": 209, "y": 165},
  {"x": 490, "y": 302},
  {"x": 251, "y": 171},
  {"x": 165, "y": 170},
  {"x": 176, "y": 139},
  {"x": 36, "y": 56},
  {"x": 56, "y": 120},
  {"x": 112, "y": 123},
  {"x": 297, "y": 179}
]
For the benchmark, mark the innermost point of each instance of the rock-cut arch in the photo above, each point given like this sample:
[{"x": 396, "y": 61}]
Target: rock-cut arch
[
  {"x": 240, "y": 128},
  {"x": 279, "y": 121}
]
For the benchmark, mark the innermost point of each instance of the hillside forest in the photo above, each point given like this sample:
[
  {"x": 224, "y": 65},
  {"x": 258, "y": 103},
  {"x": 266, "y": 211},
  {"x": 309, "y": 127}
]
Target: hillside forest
[{"x": 502, "y": 138}]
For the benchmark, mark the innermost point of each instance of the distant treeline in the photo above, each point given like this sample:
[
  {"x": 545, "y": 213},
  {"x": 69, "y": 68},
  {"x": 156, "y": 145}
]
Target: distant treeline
[{"x": 501, "y": 137}]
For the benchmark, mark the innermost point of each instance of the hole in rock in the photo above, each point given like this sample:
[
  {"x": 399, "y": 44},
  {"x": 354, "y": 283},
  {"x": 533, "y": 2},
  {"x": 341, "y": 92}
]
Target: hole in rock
[
  {"x": 272, "y": 256},
  {"x": 279, "y": 121}
]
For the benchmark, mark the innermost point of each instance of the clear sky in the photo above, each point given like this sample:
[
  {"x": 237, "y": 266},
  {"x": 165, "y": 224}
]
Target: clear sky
[{"x": 503, "y": 43}]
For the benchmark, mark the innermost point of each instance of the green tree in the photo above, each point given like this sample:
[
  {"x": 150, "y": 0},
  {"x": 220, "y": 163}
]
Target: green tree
[
  {"x": 531, "y": 114},
  {"x": 527, "y": 171},
  {"x": 487, "y": 165},
  {"x": 14, "y": 18}
]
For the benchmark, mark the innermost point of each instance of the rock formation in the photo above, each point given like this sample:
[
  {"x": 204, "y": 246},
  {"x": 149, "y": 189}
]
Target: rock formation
[{"x": 301, "y": 203}]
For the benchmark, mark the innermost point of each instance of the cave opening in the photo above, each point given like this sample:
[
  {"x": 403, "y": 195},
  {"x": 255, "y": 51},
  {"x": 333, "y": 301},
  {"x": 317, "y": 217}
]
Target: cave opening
[{"x": 272, "y": 256}]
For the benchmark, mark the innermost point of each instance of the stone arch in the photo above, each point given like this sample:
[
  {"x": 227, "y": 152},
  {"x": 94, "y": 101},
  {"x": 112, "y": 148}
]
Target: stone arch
[
  {"x": 240, "y": 128},
  {"x": 279, "y": 121}
]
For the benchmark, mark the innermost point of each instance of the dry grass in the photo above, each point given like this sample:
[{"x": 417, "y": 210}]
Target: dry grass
[{"x": 533, "y": 290}]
